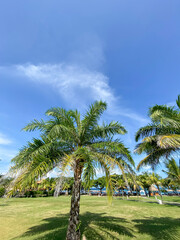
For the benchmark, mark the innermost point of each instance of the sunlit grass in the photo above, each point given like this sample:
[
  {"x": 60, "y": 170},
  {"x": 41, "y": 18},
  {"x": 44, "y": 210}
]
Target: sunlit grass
[{"x": 47, "y": 218}]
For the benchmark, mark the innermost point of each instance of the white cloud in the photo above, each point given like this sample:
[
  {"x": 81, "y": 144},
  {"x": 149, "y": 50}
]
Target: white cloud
[
  {"x": 70, "y": 81},
  {"x": 53, "y": 173},
  {"x": 147, "y": 167},
  {"x": 4, "y": 140},
  {"x": 78, "y": 86},
  {"x": 6, "y": 155}
]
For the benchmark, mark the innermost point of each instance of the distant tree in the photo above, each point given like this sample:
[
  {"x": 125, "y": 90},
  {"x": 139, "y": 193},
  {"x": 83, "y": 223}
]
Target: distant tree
[
  {"x": 156, "y": 179},
  {"x": 119, "y": 183},
  {"x": 134, "y": 183},
  {"x": 100, "y": 183},
  {"x": 68, "y": 184},
  {"x": 4, "y": 183},
  {"x": 144, "y": 180}
]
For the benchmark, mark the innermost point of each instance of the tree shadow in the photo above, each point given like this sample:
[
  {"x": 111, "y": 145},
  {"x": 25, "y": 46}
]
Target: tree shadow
[
  {"x": 155, "y": 202},
  {"x": 2, "y": 204},
  {"x": 93, "y": 226},
  {"x": 172, "y": 204},
  {"x": 102, "y": 227},
  {"x": 162, "y": 228}
]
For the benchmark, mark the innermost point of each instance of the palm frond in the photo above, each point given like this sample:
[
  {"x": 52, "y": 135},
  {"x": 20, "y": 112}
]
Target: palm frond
[
  {"x": 109, "y": 181},
  {"x": 92, "y": 116},
  {"x": 165, "y": 116},
  {"x": 30, "y": 173},
  {"x": 88, "y": 173},
  {"x": 114, "y": 149},
  {"x": 146, "y": 131},
  {"x": 106, "y": 131},
  {"x": 153, "y": 157},
  {"x": 173, "y": 170},
  {"x": 35, "y": 125},
  {"x": 166, "y": 141},
  {"x": 178, "y": 101},
  {"x": 77, "y": 119},
  {"x": 62, "y": 131}
]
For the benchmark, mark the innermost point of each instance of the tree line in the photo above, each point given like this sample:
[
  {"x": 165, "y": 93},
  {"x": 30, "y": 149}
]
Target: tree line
[{"x": 46, "y": 187}]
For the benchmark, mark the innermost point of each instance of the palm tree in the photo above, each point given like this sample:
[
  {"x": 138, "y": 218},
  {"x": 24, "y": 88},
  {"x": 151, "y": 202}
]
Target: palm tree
[
  {"x": 173, "y": 172},
  {"x": 155, "y": 179},
  {"x": 144, "y": 182},
  {"x": 69, "y": 142},
  {"x": 161, "y": 137},
  {"x": 134, "y": 183},
  {"x": 119, "y": 184}
]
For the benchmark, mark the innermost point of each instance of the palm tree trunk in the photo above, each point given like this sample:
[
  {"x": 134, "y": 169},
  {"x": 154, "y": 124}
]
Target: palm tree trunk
[
  {"x": 58, "y": 187},
  {"x": 160, "y": 193},
  {"x": 150, "y": 191},
  {"x": 73, "y": 232}
]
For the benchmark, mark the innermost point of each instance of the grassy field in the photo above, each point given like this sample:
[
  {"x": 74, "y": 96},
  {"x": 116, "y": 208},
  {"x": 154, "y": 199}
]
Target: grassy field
[{"x": 47, "y": 219}]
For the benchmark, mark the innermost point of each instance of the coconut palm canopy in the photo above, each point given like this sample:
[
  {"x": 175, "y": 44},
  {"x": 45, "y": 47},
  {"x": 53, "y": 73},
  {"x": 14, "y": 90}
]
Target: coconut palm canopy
[
  {"x": 161, "y": 137},
  {"x": 69, "y": 141}
]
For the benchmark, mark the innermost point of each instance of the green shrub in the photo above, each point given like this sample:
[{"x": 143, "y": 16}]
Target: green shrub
[
  {"x": 51, "y": 193},
  {"x": 41, "y": 193},
  {"x": 2, "y": 191},
  {"x": 30, "y": 193}
]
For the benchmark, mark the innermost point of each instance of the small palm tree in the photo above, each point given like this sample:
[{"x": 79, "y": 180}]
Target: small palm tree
[
  {"x": 161, "y": 137},
  {"x": 69, "y": 142},
  {"x": 134, "y": 183},
  {"x": 156, "y": 180},
  {"x": 119, "y": 184},
  {"x": 144, "y": 181}
]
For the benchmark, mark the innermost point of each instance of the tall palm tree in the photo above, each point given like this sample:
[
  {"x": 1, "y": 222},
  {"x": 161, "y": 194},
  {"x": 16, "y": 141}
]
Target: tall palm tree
[
  {"x": 69, "y": 142},
  {"x": 173, "y": 172},
  {"x": 161, "y": 137}
]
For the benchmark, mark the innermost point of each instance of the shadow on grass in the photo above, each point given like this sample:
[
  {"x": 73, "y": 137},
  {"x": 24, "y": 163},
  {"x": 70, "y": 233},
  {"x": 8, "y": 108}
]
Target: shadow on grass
[
  {"x": 176, "y": 204},
  {"x": 4, "y": 204},
  {"x": 98, "y": 226},
  {"x": 93, "y": 226},
  {"x": 163, "y": 228}
]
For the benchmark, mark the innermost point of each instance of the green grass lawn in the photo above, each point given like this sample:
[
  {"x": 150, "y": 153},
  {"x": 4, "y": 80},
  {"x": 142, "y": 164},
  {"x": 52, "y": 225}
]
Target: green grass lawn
[{"x": 47, "y": 218}]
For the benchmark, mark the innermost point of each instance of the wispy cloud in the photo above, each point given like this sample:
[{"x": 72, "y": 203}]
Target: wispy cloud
[
  {"x": 147, "y": 167},
  {"x": 6, "y": 154},
  {"x": 70, "y": 81},
  {"x": 78, "y": 86},
  {"x": 4, "y": 140}
]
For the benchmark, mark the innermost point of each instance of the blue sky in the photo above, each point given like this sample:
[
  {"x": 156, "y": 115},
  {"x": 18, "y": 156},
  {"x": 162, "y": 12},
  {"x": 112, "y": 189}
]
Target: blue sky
[{"x": 70, "y": 53}]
